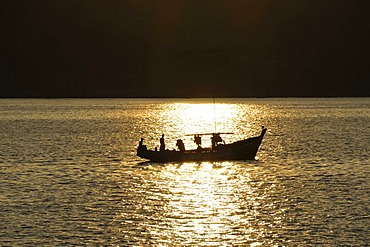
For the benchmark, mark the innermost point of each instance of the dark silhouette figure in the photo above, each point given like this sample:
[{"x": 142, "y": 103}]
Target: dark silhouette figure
[
  {"x": 162, "y": 146},
  {"x": 141, "y": 142},
  {"x": 180, "y": 145},
  {"x": 216, "y": 138},
  {"x": 141, "y": 146},
  {"x": 198, "y": 140}
]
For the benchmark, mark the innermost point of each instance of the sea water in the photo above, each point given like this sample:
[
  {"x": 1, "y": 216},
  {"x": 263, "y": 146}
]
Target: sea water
[{"x": 69, "y": 174}]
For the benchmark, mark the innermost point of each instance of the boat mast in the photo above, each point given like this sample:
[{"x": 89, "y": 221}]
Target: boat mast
[{"x": 214, "y": 109}]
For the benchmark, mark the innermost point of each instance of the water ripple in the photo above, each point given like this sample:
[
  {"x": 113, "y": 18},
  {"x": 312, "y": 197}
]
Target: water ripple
[{"x": 69, "y": 175}]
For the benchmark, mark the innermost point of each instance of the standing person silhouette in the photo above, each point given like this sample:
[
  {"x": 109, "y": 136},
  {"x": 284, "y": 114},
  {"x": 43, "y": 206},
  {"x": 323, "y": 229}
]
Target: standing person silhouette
[
  {"x": 162, "y": 146},
  {"x": 141, "y": 142}
]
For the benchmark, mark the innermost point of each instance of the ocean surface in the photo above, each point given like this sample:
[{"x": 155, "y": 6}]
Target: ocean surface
[{"x": 69, "y": 174}]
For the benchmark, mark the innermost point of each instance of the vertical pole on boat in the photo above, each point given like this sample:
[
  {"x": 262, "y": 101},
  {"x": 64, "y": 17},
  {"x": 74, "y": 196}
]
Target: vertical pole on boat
[{"x": 214, "y": 108}]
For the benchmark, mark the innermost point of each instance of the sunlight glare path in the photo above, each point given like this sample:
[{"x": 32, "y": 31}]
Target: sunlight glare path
[
  {"x": 192, "y": 118},
  {"x": 204, "y": 203}
]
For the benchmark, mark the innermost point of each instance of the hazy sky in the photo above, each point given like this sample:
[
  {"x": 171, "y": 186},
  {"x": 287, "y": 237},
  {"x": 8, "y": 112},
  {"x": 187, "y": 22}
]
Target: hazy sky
[{"x": 184, "y": 48}]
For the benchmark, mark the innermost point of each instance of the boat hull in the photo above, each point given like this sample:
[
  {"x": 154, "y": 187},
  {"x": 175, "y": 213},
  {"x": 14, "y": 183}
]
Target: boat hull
[{"x": 240, "y": 150}]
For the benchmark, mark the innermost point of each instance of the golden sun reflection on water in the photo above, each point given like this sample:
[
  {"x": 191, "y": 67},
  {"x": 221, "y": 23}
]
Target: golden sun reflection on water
[
  {"x": 197, "y": 118},
  {"x": 206, "y": 205}
]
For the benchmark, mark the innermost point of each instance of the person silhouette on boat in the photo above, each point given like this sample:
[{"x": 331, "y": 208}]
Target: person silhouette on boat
[
  {"x": 180, "y": 145},
  {"x": 216, "y": 138},
  {"x": 141, "y": 142},
  {"x": 162, "y": 147},
  {"x": 141, "y": 146}
]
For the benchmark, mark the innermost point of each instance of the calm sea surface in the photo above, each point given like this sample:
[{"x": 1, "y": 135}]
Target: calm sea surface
[{"x": 69, "y": 174}]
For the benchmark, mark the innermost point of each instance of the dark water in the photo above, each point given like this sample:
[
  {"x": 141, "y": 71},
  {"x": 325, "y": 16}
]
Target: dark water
[{"x": 69, "y": 174}]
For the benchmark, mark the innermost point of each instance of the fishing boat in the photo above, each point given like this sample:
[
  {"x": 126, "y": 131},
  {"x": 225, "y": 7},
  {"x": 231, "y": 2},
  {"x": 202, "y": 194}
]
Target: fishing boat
[{"x": 219, "y": 151}]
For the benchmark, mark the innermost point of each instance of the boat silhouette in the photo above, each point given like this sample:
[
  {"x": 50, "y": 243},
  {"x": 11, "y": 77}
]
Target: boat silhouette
[{"x": 245, "y": 149}]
